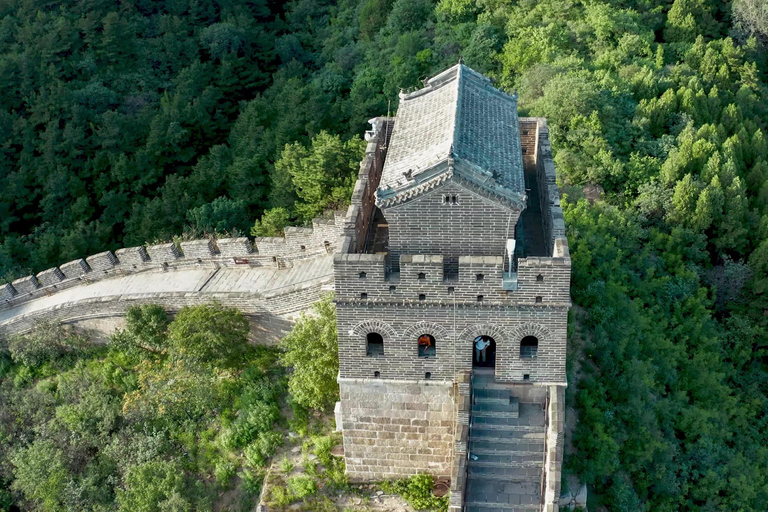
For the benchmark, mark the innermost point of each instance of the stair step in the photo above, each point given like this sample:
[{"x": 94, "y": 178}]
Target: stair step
[
  {"x": 506, "y": 444},
  {"x": 496, "y": 409},
  {"x": 504, "y": 461},
  {"x": 474, "y": 506},
  {"x": 492, "y": 396},
  {"x": 493, "y": 421},
  {"x": 509, "y": 454},
  {"x": 506, "y": 473},
  {"x": 509, "y": 433},
  {"x": 483, "y": 490}
]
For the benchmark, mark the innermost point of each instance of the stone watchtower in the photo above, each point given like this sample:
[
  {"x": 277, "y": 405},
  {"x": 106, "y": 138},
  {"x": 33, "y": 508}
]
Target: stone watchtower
[{"x": 455, "y": 241}]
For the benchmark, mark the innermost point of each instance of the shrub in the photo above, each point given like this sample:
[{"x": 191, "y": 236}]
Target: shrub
[
  {"x": 224, "y": 472},
  {"x": 252, "y": 481},
  {"x": 286, "y": 466},
  {"x": 262, "y": 448},
  {"x": 47, "y": 342},
  {"x": 311, "y": 349},
  {"x": 279, "y": 497},
  {"x": 299, "y": 487},
  {"x": 417, "y": 491}
]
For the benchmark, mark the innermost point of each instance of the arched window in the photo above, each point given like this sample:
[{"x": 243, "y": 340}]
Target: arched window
[
  {"x": 528, "y": 347},
  {"x": 374, "y": 344},
  {"x": 426, "y": 345}
]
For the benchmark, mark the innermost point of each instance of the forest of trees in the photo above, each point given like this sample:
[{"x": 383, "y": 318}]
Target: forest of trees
[{"x": 125, "y": 123}]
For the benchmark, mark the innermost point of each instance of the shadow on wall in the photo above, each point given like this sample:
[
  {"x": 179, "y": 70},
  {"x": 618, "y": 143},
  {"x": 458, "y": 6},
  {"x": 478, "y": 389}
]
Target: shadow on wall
[{"x": 265, "y": 329}]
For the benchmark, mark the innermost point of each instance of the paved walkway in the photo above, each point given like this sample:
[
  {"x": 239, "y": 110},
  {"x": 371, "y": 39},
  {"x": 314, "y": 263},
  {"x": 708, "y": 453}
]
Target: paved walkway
[
  {"x": 507, "y": 451},
  {"x": 261, "y": 280}
]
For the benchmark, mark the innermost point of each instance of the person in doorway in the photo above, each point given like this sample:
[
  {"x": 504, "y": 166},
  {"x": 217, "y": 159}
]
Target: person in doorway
[{"x": 481, "y": 346}]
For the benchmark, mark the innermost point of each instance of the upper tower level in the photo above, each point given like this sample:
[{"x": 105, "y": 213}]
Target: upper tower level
[
  {"x": 460, "y": 128},
  {"x": 453, "y": 182}
]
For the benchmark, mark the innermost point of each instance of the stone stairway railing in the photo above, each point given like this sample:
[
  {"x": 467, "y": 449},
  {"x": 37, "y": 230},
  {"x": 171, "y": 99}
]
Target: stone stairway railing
[{"x": 461, "y": 441}]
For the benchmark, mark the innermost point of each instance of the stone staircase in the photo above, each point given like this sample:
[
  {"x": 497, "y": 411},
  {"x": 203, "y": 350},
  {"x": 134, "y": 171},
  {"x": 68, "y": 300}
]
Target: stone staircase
[{"x": 507, "y": 438}]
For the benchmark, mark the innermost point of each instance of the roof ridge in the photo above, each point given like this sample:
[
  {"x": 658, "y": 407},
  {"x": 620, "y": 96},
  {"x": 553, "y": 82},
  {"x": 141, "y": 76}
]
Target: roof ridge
[{"x": 456, "y": 112}]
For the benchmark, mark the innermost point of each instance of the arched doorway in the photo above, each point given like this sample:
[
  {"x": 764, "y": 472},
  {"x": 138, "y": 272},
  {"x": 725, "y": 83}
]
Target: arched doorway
[{"x": 483, "y": 357}]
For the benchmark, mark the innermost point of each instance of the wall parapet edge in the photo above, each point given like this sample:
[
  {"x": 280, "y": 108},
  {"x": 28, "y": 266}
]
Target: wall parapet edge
[{"x": 298, "y": 243}]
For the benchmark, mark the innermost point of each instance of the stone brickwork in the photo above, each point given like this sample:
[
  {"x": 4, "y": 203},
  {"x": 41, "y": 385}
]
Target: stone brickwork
[
  {"x": 442, "y": 268},
  {"x": 474, "y": 226},
  {"x": 454, "y": 328},
  {"x": 554, "y": 448},
  {"x": 319, "y": 240},
  {"x": 393, "y": 429},
  {"x": 541, "y": 281},
  {"x": 463, "y": 394}
]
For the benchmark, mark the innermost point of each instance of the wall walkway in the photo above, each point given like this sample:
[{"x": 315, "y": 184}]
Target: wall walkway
[{"x": 271, "y": 282}]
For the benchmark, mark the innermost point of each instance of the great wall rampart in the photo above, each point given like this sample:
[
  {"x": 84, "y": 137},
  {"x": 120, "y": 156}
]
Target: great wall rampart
[{"x": 271, "y": 280}]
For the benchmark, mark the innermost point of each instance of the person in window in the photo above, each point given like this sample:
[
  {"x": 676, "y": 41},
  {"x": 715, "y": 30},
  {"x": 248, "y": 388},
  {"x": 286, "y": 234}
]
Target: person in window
[
  {"x": 425, "y": 342},
  {"x": 481, "y": 345}
]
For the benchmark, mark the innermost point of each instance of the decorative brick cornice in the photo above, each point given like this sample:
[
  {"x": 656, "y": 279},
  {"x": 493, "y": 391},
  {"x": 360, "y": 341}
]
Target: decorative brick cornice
[{"x": 419, "y": 328}]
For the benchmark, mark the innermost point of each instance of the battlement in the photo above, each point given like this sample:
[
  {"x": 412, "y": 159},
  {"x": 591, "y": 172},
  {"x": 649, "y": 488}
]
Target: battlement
[
  {"x": 298, "y": 243},
  {"x": 422, "y": 278}
]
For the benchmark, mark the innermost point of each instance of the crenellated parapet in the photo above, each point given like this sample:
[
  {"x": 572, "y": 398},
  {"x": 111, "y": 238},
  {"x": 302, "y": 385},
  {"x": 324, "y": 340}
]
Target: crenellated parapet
[
  {"x": 538, "y": 150},
  {"x": 278, "y": 252},
  {"x": 359, "y": 215},
  {"x": 365, "y": 278}
]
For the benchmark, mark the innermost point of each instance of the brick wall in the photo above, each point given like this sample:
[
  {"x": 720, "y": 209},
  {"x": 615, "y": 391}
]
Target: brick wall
[
  {"x": 476, "y": 226},
  {"x": 400, "y": 325},
  {"x": 541, "y": 281},
  {"x": 277, "y": 310},
  {"x": 396, "y": 429}
]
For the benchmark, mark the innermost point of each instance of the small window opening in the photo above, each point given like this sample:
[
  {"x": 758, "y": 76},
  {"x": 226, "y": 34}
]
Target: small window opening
[
  {"x": 426, "y": 345},
  {"x": 392, "y": 289},
  {"x": 479, "y": 277},
  {"x": 525, "y": 377},
  {"x": 374, "y": 345},
  {"x": 363, "y": 275},
  {"x": 274, "y": 259},
  {"x": 376, "y": 375},
  {"x": 479, "y": 298},
  {"x": 525, "y": 132},
  {"x": 525, "y": 151},
  {"x": 422, "y": 276},
  {"x": 454, "y": 199},
  {"x": 451, "y": 290},
  {"x": 422, "y": 296},
  {"x": 539, "y": 278},
  {"x": 303, "y": 247},
  {"x": 538, "y": 300},
  {"x": 428, "y": 375},
  {"x": 364, "y": 296},
  {"x": 528, "y": 347}
]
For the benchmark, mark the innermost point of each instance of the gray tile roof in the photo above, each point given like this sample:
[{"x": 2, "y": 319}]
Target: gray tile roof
[{"x": 457, "y": 124}]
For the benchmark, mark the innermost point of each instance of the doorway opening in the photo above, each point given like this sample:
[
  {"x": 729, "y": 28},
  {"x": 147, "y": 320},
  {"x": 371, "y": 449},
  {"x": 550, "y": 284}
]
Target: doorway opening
[{"x": 484, "y": 352}]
